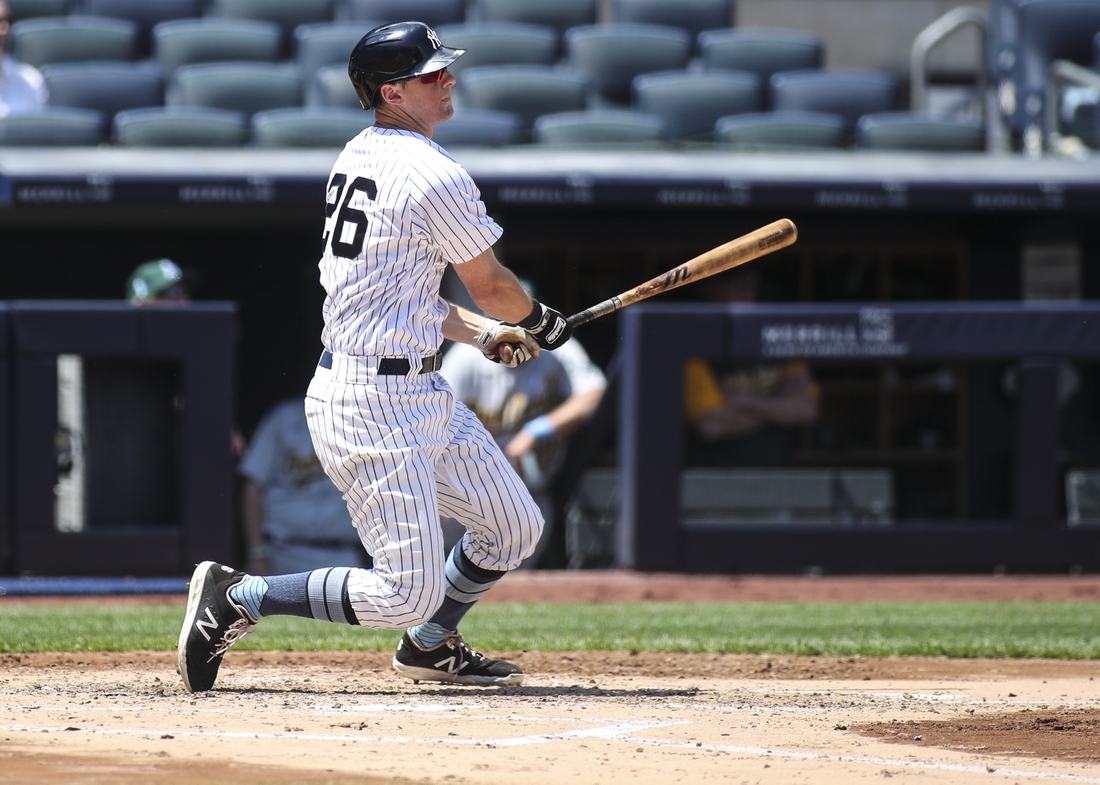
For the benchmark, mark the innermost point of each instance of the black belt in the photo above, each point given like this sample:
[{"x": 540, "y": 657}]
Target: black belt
[{"x": 393, "y": 366}]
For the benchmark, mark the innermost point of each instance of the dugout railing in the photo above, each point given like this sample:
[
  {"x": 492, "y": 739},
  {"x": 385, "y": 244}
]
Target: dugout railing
[{"x": 657, "y": 339}]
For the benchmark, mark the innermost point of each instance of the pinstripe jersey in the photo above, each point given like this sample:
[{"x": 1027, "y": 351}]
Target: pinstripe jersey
[
  {"x": 401, "y": 449},
  {"x": 398, "y": 210}
]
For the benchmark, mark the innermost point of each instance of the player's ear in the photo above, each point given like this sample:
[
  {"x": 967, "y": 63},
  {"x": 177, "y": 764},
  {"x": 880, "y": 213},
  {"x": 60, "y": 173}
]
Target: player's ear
[{"x": 391, "y": 93}]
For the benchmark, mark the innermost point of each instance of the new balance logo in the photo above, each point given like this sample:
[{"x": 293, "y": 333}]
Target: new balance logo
[
  {"x": 201, "y": 624},
  {"x": 450, "y": 664}
]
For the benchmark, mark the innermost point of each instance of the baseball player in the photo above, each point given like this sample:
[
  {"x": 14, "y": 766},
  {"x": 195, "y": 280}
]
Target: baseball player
[{"x": 387, "y": 428}]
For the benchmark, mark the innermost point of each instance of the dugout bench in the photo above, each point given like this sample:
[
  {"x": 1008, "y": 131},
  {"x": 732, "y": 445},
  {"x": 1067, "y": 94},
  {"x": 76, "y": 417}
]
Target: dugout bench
[
  {"x": 654, "y": 534},
  {"x": 115, "y": 454}
]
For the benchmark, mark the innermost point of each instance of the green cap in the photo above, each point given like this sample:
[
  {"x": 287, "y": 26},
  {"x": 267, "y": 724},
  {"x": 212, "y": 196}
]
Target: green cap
[{"x": 152, "y": 278}]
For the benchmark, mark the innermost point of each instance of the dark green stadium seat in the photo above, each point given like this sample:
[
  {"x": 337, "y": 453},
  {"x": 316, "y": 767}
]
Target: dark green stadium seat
[
  {"x": 762, "y": 52},
  {"x": 431, "y": 12},
  {"x": 920, "y": 132},
  {"x": 323, "y": 44},
  {"x": 500, "y": 43},
  {"x": 69, "y": 39},
  {"x": 180, "y": 127},
  {"x": 190, "y": 41},
  {"x": 107, "y": 88},
  {"x": 29, "y": 9},
  {"x": 559, "y": 14},
  {"x": 143, "y": 13},
  {"x": 848, "y": 92},
  {"x": 52, "y": 127},
  {"x": 308, "y": 127},
  {"x": 331, "y": 87},
  {"x": 612, "y": 55},
  {"x": 694, "y": 16},
  {"x": 288, "y": 14},
  {"x": 690, "y": 102},
  {"x": 598, "y": 127},
  {"x": 478, "y": 128},
  {"x": 526, "y": 90},
  {"x": 238, "y": 87},
  {"x": 781, "y": 131}
]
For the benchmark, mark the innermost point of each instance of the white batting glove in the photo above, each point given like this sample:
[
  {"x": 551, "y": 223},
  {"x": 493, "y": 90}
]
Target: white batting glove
[{"x": 506, "y": 343}]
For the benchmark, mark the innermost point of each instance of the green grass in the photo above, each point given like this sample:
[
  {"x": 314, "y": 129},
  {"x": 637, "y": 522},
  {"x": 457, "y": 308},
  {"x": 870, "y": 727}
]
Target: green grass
[{"x": 963, "y": 629}]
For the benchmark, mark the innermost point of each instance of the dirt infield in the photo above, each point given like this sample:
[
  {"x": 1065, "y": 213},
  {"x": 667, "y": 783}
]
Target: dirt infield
[{"x": 580, "y": 717}]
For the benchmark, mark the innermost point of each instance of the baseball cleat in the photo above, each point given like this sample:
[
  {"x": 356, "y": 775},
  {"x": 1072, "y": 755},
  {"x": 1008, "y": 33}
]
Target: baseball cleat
[
  {"x": 213, "y": 623},
  {"x": 455, "y": 662}
]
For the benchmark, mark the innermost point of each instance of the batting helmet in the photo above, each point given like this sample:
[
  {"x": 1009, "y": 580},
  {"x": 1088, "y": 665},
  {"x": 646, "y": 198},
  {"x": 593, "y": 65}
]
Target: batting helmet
[{"x": 393, "y": 53}]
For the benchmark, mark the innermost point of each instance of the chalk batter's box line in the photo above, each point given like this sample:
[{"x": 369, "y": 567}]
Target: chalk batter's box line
[{"x": 620, "y": 732}]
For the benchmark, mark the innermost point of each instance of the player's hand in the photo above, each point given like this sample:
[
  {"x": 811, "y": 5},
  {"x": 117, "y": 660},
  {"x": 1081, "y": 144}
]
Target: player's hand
[
  {"x": 523, "y": 442},
  {"x": 507, "y": 344},
  {"x": 549, "y": 327}
]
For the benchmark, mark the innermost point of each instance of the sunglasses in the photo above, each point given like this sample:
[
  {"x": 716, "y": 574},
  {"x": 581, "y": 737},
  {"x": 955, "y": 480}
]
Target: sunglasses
[{"x": 434, "y": 76}]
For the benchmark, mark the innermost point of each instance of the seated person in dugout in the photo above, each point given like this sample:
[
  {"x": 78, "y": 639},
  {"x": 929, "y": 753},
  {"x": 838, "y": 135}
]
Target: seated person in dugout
[{"x": 744, "y": 414}]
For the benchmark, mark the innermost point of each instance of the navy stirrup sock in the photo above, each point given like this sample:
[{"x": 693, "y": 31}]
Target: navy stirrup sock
[
  {"x": 320, "y": 594},
  {"x": 466, "y": 584}
]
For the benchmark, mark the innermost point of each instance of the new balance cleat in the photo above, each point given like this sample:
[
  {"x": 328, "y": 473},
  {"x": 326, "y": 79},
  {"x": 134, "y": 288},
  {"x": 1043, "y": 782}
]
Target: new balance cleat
[
  {"x": 455, "y": 662},
  {"x": 212, "y": 624}
]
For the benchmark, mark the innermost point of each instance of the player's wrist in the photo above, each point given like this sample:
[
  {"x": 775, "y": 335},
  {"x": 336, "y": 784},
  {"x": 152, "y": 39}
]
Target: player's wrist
[
  {"x": 540, "y": 429},
  {"x": 532, "y": 320}
]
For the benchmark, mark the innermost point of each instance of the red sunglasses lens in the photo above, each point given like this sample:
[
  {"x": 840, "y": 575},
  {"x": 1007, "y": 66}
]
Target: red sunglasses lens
[{"x": 433, "y": 77}]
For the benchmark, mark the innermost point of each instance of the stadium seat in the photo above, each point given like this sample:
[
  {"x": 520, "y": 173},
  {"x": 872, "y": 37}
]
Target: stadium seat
[
  {"x": 331, "y": 87},
  {"x": 500, "y": 43},
  {"x": 52, "y": 127},
  {"x": 690, "y": 102},
  {"x": 922, "y": 132},
  {"x": 71, "y": 39},
  {"x": 287, "y": 14},
  {"x": 190, "y": 41},
  {"x": 850, "y": 93},
  {"x": 1048, "y": 30},
  {"x": 599, "y": 127},
  {"x": 238, "y": 87},
  {"x": 612, "y": 55},
  {"x": 560, "y": 14},
  {"x": 30, "y": 9},
  {"x": 107, "y": 88},
  {"x": 781, "y": 131},
  {"x": 325, "y": 43},
  {"x": 432, "y": 12},
  {"x": 143, "y": 13},
  {"x": 762, "y": 52},
  {"x": 478, "y": 128},
  {"x": 180, "y": 127},
  {"x": 308, "y": 127},
  {"x": 527, "y": 90},
  {"x": 695, "y": 16}
]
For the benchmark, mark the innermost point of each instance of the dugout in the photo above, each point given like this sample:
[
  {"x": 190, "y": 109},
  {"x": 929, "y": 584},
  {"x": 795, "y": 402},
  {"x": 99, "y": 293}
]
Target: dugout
[
  {"x": 115, "y": 442},
  {"x": 655, "y": 533},
  {"x": 873, "y": 228}
]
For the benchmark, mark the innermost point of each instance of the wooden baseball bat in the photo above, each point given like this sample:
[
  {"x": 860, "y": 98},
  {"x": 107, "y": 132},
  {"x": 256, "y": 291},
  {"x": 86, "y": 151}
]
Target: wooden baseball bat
[{"x": 753, "y": 245}]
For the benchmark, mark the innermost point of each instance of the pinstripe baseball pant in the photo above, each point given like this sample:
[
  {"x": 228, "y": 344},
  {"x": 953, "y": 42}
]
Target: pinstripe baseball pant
[{"x": 403, "y": 450}]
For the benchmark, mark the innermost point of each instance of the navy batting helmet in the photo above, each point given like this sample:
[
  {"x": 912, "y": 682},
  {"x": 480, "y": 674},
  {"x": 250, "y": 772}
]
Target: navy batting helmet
[{"x": 393, "y": 53}]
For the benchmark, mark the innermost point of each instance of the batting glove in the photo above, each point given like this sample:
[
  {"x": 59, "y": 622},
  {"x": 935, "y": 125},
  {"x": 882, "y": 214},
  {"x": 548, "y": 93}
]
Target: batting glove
[
  {"x": 548, "y": 327},
  {"x": 506, "y": 343}
]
